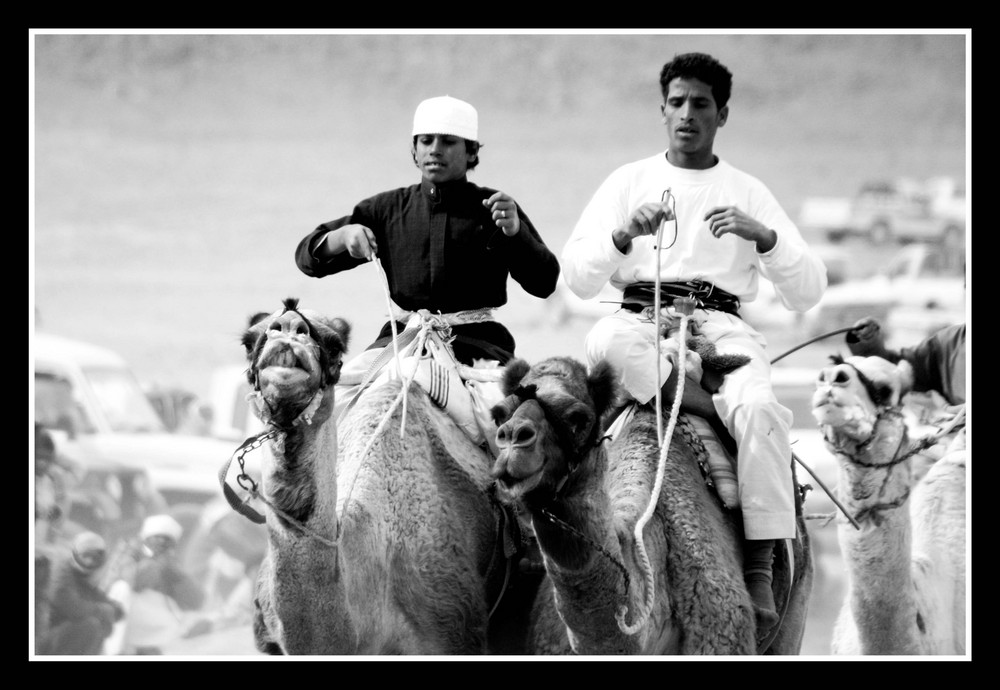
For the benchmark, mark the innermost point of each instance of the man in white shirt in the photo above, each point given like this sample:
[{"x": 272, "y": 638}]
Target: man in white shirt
[{"x": 722, "y": 231}]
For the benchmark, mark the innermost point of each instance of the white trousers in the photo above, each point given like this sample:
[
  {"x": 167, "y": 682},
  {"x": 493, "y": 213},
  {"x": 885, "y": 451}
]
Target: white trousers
[{"x": 745, "y": 403}]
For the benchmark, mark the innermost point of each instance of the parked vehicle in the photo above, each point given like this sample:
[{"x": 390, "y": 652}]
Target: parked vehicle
[
  {"x": 922, "y": 281},
  {"x": 103, "y": 422},
  {"x": 232, "y": 417},
  {"x": 889, "y": 211}
]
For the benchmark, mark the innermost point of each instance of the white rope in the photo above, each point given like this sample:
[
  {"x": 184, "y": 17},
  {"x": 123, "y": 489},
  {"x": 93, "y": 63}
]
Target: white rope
[
  {"x": 640, "y": 525},
  {"x": 664, "y": 444},
  {"x": 392, "y": 326},
  {"x": 371, "y": 442}
]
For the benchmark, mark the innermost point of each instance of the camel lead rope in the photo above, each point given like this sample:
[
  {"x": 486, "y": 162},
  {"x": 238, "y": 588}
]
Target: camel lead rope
[
  {"x": 395, "y": 335},
  {"x": 686, "y": 308}
]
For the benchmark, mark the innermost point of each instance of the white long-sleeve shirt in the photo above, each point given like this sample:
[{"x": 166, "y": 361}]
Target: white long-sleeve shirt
[{"x": 590, "y": 258}]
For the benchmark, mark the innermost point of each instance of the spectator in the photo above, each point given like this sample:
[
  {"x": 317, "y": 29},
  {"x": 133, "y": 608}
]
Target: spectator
[
  {"x": 50, "y": 488},
  {"x": 82, "y": 615},
  {"x": 162, "y": 592}
]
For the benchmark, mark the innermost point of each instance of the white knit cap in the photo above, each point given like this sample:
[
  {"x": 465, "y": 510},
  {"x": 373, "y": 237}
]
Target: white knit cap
[
  {"x": 161, "y": 525},
  {"x": 446, "y": 115}
]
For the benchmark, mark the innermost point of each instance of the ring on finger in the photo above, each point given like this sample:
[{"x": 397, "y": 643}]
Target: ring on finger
[{"x": 503, "y": 213}]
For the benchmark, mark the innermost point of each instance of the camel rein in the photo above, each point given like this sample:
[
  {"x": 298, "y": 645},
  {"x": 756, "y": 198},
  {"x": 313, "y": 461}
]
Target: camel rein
[{"x": 685, "y": 307}]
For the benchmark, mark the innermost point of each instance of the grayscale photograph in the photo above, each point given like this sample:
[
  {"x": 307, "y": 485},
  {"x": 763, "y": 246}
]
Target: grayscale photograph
[{"x": 505, "y": 343}]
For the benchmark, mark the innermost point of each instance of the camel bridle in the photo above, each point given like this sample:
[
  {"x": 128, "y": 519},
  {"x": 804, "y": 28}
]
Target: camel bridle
[
  {"x": 566, "y": 439},
  {"x": 565, "y": 436},
  {"x": 329, "y": 372}
]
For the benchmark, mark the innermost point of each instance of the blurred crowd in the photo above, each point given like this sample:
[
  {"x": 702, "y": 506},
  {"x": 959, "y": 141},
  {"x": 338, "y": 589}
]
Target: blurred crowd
[{"x": 113, "y": 589}]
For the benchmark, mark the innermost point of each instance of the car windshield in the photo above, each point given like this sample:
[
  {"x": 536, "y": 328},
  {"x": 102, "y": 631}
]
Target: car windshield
[
  {"x": 122, "y": 400},
  {"x": 57, "y": 408}
]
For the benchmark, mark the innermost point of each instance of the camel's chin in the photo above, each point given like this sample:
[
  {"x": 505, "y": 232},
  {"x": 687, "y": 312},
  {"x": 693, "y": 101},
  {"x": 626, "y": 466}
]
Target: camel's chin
[
  {"x": 510, "y": 494},
  {"x": 286, "y": 385}
]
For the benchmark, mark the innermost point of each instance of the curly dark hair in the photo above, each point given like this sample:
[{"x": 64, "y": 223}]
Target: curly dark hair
[
  {"x": 471, "y": 147},
  {"x": 702, "y": 67}
]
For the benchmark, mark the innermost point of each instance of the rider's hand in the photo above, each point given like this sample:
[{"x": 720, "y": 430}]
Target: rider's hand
[
  {"x": 504, "y": 211},
  {"x": 730, "y": 220},
  {"x": 359, "y": 242},
  {"x": 645, "y": 220},
  {"x": 865, "y": 339}
]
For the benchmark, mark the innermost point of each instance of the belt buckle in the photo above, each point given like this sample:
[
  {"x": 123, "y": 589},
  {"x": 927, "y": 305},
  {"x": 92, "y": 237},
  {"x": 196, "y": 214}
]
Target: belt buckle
[{"x": 700, "y": 291}]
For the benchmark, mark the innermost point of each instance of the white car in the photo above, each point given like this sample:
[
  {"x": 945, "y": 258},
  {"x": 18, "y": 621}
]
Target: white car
[
  {"x": 92, "y": 402},
  {"x": 922, "y": 284}
]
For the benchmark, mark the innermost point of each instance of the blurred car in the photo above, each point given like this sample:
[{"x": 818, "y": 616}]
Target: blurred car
[
  {"x": 232, "y": 417},
  {"x": 181, "y": 410},
  {"x": 110, "y": 498},
  {"x": 931, "y": 211},
  {"x": 90, "y": 398},
  {"x": 920, "y": 279}
]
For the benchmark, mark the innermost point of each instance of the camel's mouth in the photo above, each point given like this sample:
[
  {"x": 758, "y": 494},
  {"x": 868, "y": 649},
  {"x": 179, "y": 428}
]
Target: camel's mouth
[
  {"x": 517, "y": 474},
  {"x": 836, "y": 407},
  {"x": 830, "y": 413},
  {"x": 287, "y": 367}
]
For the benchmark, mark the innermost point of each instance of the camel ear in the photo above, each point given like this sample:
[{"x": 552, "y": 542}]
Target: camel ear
[
  {"x": 515, "y": 370},
  {"x": 343, "y": 329},
  {"x": 580, "y": 419},
  {"x": 256, "y": 318},
  {"x": 603, "y": 385}
]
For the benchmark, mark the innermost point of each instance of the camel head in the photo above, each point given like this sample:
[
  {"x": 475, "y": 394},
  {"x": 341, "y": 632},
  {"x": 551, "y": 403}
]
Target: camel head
[
  {"x": 547, "y": 423},
  {"x": 294, "y": 356},
  {"x": 851, "y": 394}
]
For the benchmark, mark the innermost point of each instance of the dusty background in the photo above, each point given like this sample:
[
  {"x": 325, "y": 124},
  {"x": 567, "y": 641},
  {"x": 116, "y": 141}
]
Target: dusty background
[{"x": 173, "y": 175}]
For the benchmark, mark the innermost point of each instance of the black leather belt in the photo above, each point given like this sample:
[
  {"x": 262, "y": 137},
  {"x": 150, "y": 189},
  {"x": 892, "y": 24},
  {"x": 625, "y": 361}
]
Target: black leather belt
[{"x": 638, "y": 296}]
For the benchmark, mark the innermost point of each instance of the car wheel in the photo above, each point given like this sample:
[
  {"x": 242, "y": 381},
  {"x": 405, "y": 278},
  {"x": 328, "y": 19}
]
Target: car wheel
[{"x": 879, "y": 233}]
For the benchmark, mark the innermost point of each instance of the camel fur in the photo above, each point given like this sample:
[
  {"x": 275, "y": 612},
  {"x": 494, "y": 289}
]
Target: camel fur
[
  {"x": 376, "y": 544},
  {"x": 584, "y": 496},
  {"x": 906, "y": 565}
]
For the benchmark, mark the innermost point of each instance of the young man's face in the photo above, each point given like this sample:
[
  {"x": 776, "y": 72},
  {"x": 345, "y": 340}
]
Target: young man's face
[
  {"x": 441, "y": 157},
  {"x": 692, "y": 118}
]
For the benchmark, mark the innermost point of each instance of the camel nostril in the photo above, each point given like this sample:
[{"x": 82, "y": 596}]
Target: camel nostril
[{"x": 524, "y": 435}]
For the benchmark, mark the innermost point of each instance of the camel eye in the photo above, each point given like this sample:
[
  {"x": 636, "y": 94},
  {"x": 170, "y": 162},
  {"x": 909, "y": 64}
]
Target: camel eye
[
  {"x": 841, "y": 377},
  {"x": 579, "y": 420},
  {"x": 500, "y": 413}
]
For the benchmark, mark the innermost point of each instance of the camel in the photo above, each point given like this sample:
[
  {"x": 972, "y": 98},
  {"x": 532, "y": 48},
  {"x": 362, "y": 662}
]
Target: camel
[
  {"x": 906, "y": 560},
  {"x": 584, "y": 496},
  {"x": 376, "y": 544}
]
